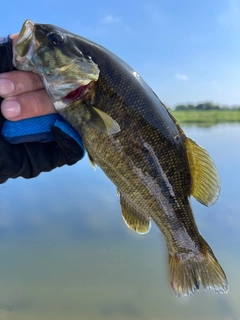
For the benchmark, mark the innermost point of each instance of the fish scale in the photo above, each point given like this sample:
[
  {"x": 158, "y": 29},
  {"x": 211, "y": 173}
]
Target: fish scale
[{"x": 130, "y": 134}]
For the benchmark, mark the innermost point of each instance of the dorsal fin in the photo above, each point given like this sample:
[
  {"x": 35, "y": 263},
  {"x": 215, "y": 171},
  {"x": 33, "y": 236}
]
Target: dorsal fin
[
  {"x": 133, "y": 217},
  {"x": 205, "y": 177}
]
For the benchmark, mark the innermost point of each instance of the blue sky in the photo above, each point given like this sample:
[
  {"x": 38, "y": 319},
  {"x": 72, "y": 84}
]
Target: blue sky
[{"x": 188, "y": 51}]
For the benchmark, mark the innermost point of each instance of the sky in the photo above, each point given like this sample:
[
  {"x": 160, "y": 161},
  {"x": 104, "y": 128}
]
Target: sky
[{"x": 186, "y": 50}]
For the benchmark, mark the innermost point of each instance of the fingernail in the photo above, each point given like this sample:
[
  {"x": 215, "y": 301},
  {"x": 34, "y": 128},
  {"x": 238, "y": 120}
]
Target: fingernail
[
  {"x": 10, "y": 108},
  {"x": 6, "y": 87}
]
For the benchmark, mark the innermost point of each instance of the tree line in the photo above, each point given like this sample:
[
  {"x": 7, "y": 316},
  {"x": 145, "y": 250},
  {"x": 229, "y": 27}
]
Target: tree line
[{"x": 205, "y": 106}]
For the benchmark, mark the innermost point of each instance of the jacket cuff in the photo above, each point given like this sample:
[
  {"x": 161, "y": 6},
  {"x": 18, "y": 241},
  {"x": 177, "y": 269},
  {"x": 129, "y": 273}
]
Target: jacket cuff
[{"x": 6, "y": 54}]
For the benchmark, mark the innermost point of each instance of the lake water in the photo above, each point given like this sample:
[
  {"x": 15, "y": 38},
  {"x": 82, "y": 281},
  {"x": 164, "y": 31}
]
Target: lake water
[{"x": 66, "y": 253}]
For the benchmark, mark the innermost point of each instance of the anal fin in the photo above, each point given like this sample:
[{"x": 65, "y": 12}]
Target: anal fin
[{"x": 134, "y": 218}]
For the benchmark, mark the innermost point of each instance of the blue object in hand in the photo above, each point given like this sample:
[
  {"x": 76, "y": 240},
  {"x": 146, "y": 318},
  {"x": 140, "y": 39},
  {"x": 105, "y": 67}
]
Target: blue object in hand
[{"x": 37, "y": 129}]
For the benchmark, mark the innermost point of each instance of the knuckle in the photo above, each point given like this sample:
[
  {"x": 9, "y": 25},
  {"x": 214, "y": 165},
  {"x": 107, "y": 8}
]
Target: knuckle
[{"x": 26, "y": 81}]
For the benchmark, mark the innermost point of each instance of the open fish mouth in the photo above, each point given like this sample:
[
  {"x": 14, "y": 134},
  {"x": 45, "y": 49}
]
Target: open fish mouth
[
  {"x": 25, "y": 46},
  {"x": 25, "y": 33},
  {"x": 63, "y": 76}
]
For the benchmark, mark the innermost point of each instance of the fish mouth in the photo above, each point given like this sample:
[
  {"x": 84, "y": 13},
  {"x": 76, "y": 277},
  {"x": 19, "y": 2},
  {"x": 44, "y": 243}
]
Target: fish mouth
[
  {"x": 25, "y": 33},
  {"x": 68, "y": 81},
  {"x": 25, "y": 46}
]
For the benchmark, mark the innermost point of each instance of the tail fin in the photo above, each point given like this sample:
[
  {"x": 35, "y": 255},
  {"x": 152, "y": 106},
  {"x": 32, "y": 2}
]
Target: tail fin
[{"x": 188, "y": 270}]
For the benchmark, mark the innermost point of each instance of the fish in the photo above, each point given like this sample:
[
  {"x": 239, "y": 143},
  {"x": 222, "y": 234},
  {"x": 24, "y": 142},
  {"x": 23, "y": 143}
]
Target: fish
[{"x": 131, "y": 135}]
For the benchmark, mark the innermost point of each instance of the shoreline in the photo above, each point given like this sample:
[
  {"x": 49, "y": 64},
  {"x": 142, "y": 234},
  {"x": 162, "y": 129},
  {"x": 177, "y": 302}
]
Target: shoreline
[{"x": 206, "y": 116}]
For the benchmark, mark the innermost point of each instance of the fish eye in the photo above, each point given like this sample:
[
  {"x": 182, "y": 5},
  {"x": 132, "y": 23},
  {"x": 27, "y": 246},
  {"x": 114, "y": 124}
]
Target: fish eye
[{"x": 55, "y": 39}]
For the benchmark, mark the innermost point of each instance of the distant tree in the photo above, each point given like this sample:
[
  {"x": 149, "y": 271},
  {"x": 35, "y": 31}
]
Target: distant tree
[
  {"x": 225, "y": 108},
  {"x": 180, "y": 107},
  {"x": 200, "y": 106},
  {"x": 207, "y": 106},
  {"x": 235, "y": 108},
  {"x": 203, "y": 106},
  {"x": 190, "y": 106}
]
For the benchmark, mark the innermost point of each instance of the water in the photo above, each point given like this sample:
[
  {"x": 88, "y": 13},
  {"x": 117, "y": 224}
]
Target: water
[{"x": 66, "y": 253}]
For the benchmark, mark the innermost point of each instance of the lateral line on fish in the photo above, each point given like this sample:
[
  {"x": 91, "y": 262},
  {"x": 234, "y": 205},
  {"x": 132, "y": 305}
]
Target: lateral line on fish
[
  {"x": 159, "y": 167},
  {"x": 180, "y": 233}
]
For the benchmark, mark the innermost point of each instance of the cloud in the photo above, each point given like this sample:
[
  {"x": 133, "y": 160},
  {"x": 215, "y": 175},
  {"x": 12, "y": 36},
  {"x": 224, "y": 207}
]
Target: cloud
[
  {"x": 181, "y": 77},
  {"x": 112, "y": 20},
  {"x": 109, "y": 19}
]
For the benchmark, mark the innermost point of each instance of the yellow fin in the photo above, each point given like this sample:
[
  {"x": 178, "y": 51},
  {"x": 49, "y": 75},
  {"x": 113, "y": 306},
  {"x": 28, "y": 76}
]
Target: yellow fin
[
  {"x": 133, "y": 217},
  {"x": 205, "y": 177},
  {"x": 102, "y": 121}
]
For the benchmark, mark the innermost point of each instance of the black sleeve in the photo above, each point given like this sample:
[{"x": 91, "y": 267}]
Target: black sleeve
[{"x": 30, "y": 159}]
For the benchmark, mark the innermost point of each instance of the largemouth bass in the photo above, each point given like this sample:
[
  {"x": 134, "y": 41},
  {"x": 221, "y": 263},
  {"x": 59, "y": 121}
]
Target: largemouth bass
[{"x": 129, "y": 133}]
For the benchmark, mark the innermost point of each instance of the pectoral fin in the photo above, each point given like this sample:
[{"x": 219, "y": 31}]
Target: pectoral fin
[
  {"x": 205, "y": 177},
  {"x": 101, "y": 121},
  {"x": 133, "y": 217}
]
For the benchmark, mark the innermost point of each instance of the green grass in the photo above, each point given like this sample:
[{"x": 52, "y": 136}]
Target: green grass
[{"x": 206, "y": 116}]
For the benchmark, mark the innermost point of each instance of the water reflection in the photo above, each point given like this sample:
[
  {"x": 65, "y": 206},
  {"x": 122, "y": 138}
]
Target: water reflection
[{"x": 66, "y": 253}]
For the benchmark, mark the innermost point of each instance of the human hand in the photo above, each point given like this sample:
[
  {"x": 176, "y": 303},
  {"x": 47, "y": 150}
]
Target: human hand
[
  {"x": 29, "y": 100},
  {"x": 21, "y": 89}
]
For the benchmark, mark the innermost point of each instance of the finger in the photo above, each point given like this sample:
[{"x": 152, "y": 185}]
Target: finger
[
  {"x": 14, "y": 38},
  {"x": 18, "y": 82},
  {"x": 27, "y": 105}
]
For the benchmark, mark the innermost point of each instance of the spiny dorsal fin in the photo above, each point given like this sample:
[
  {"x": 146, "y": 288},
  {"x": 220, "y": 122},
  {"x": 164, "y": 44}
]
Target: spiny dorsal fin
[
  {"x": 101, "y": 121},
  {"x": 133, "y": 218},
  {"x": 205, "y": 177}
]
